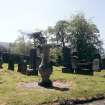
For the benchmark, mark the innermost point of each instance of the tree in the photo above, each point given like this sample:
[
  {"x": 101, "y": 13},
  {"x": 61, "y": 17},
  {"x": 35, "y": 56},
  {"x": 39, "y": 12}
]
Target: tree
[
  {"x": 20, "y": 46},
  {"x": 55, "y": 54},
  {"x": 84, "y": 37},
  {"x": 38, "y": 38},
  {"x": 79, "y": 33},
  {"x": 59, "y": 32}
]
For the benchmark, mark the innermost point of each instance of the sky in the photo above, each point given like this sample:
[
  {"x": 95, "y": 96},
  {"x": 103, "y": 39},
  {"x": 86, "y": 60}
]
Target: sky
[{"x": 29, "y": 15}]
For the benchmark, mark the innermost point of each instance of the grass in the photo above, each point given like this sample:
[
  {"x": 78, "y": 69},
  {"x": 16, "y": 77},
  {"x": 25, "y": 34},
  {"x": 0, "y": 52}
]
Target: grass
[{"x": 80, "y": 87}]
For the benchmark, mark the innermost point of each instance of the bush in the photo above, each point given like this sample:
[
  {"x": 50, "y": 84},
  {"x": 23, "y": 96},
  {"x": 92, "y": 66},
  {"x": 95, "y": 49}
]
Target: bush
[{"x": 56, "y": 55}]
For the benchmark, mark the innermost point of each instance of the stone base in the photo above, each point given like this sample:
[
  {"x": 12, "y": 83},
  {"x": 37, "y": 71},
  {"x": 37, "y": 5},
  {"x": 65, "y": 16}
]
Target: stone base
[{"x": 46, "y": 83}]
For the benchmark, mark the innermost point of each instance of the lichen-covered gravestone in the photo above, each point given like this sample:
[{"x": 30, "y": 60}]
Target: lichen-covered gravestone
[{"x": 45, "y": 68}]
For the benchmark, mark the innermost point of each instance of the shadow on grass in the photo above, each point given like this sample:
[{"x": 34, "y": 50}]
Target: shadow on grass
[
  {"x": 57, "y": 88},
  {"x": 60, "y": 88}
]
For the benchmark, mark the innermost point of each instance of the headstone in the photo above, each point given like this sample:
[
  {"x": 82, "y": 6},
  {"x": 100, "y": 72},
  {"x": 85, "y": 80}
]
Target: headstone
[
  {"x": 11, "y": 62},
  {"x": 45, "y": 68},
  {"x": 95, "y": 65},
  {"x": 66, "y": 57},
  {"x": 66, "y": 61},
  {"x": 103, "y": 63},
  {"x": 22, "y": 65},
  {"x": 19, "y": 67},
  {"x": 6, "y": 57},
  {"x": 1, "y": 61},
  {"x": 33, "y": 59},
  {"x": 74, "y": 63},
  {"x": 85, "y": 68}
]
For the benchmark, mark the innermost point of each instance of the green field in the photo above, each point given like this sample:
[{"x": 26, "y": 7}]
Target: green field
[{"x": 80, "y": 87}]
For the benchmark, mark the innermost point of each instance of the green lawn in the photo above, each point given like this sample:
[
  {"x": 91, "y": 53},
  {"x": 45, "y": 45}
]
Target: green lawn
[{"x": 80, "y": 87}]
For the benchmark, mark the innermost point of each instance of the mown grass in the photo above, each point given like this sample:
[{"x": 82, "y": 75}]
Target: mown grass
[{"x": 81, "y": 86}]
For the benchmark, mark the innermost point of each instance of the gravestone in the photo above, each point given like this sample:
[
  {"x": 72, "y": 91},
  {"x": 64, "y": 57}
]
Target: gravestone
[
  {"x": 96, "y": 64},
  {"x": 66, "y": 57},
  {"x": 5, "y": 57},
  {"x": 103, "y": 63},
  {"x": 85, "y": 68},
  {"x": 33, "y": 58},
  {"x": 11, "y": 62},
  {"x": 45, "y": 68},
  {"x": 66, "y": 61},
  {"x": 1, "y": 61},
  {"x": 74, "y": 63},
  {"x": 22, "y": 65}
]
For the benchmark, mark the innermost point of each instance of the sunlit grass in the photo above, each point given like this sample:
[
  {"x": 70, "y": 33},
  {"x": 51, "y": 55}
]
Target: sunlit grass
[{"x": 80, "y": 87}]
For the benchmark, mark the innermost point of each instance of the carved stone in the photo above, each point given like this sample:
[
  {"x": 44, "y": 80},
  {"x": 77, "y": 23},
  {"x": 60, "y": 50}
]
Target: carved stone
[{"x": 45, "y": 68}]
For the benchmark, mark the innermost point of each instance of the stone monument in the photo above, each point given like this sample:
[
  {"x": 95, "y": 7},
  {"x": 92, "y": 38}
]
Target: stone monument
[{"x": 45, "y": 68}]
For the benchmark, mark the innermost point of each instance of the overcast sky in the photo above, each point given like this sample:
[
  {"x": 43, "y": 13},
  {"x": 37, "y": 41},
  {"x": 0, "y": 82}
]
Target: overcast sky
[{"x": 29, "y": 15}]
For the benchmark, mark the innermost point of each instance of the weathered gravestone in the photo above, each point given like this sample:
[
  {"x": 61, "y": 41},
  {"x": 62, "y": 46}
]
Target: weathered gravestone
[
  {"x": 22, "y": 65},
  {"x": 74, "y": 63},
  {"x": 1, "y": 61},
  {"x": 66, "y": 62},
  {"x": 96, "y": 64},
  {"x": 103, "y": 63},
  {"x": 45, "y": 68},
  {"x": 11, "y": 62},
  {"x": 85, "y": 67},
  {"x": 5, "y": 57},
  {"x": 33, "y": 59}
]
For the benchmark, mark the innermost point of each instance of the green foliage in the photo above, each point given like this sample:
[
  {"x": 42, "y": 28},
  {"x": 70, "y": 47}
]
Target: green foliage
[
  {"x": 59, "y": 32},
  {"x": 20, "y": 46},
  {"x": 56, "y": 55},
  {"x": 84, "y": 37},
  {"x": 80, "y": 34}
]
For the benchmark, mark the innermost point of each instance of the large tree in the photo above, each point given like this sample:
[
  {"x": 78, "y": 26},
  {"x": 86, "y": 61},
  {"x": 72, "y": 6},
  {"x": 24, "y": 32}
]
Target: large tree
[
  {"x": 59, "y": 32},
  {"x": 84, "y": 37},
  {"x": 79, "y": 33}
]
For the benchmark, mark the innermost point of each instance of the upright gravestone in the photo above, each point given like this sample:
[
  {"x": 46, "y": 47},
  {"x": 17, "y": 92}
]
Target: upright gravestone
[
  {"x": 22, "y": 65},
  {"x": 45, "y": 68},
  {"x": 66, "y": 61},
  {"x": 85, "y": 67},
  {"x": 96, "y": 64},
  {"x": 11, "y": 62},
  {"x": 33, "y": 59},
  {"x": 74, "y": 63},
  {"x": 1, "y": 61},
  {"x": 103, "y": 64}
]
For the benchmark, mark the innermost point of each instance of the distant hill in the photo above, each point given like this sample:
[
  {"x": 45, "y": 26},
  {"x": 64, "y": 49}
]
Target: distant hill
[{"x": 4, "y": 46}]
